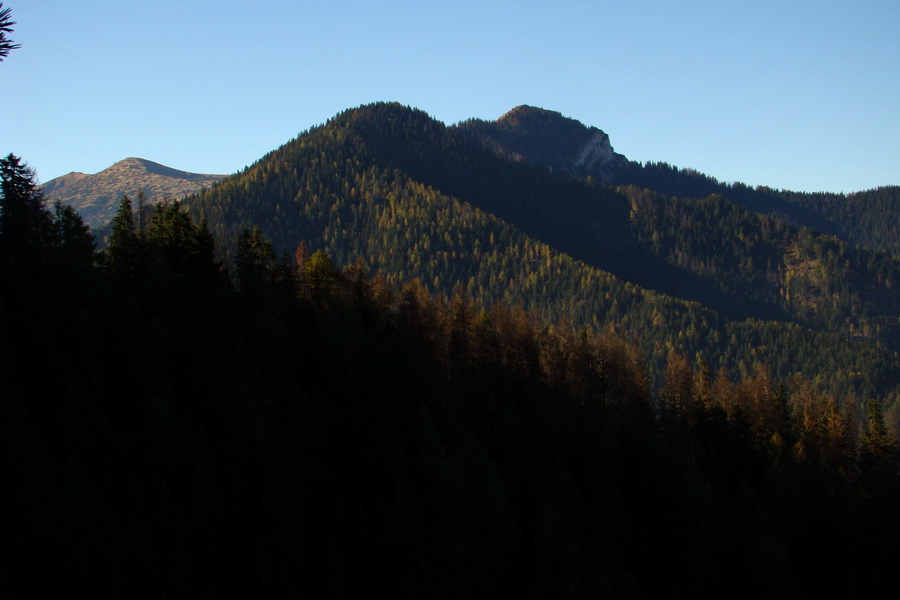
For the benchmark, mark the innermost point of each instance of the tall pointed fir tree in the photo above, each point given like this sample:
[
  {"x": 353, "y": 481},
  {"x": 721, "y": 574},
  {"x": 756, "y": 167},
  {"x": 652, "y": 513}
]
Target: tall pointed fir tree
[
  {"x": 255, "y": 266},
  {"x": 878, "y": 454},
  {"x": 123, "y": 245},
  {"x": 25, "y": 224},
  {"x": 72, "y": 251},
  {"x": 320, "y": 276}
]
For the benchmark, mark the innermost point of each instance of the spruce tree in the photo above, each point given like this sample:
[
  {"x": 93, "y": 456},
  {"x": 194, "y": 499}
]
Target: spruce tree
[
  {"x": 878, "y": 454},
  {"x": 320, "y": 276},
  {"x": 72, "y": 247},
  {"x": 25, "y": 223},
  {"x": 6, "y": 23},
  {"x": 123, "y": 244},
  {"x": 255, "y": 265}
]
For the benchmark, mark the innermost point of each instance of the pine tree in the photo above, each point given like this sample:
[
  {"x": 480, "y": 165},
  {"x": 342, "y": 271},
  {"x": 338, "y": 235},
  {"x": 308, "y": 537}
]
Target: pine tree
[
  {"x": 836, "y": 435},
  {"x": 122, "y": 248},
  {"x": 878, "y": 455},
  {"x": 202, "y": 255},
  {"x": 724, "y": 394},
  {"x": 72, "y": 247},
  {"x": 176, "y": 246},
  {"x": 6, "y": 23},
  {"x": 678, "y": 398},
  {"x": 320, "y": 276},
  {"x": 359, "y": 287},
  {"x": 25, "y": 223},
  {"x": 255, "y": 264}
]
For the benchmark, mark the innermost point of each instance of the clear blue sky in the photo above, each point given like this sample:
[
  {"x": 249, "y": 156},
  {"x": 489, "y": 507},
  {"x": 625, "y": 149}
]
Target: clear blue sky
[{"x": 797, "y": 95}]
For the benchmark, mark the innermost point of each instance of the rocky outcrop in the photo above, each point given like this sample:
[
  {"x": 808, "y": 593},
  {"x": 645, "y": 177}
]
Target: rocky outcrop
[{"x": 547, "y": 138}]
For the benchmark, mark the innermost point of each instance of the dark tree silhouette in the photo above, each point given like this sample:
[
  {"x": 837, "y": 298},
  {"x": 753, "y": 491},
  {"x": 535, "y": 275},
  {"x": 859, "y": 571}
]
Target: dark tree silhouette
[
  {"x": 25, "y": 222},
  {"x": 6, "y": 27}
]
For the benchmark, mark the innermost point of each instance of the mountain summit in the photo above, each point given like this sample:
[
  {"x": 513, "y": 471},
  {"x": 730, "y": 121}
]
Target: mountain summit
[
  {"x": 547, "y": 138},
  {"x": 96, "y": 197}
]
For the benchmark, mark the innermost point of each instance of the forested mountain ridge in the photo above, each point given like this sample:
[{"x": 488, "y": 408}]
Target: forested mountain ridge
[
  {"x": 96, "y": 197},
  {"x": 542, "y": 137},
  {"x": 418, "y": 199},
  {"x": 869, "y": 218}
]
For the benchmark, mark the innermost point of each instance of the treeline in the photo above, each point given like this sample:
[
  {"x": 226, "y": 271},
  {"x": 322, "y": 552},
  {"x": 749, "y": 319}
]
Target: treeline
[{"x": 282, "y": 425}]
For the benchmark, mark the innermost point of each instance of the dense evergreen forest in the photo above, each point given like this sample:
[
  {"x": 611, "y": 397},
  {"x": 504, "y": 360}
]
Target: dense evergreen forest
[
  {"x": 866, "y": 218},
  {"x": 704, "y": 277},
  {"x": 176, "y": 425}
]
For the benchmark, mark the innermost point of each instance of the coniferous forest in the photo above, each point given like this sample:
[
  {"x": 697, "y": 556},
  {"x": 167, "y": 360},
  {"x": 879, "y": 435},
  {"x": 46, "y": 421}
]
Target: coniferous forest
[
  {"x": 196, "y": 411},
  {"x": 703, "y": 276}
]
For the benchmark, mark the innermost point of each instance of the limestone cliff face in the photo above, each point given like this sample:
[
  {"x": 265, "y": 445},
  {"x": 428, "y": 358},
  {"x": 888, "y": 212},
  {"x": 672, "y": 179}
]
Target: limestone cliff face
[
  {"x": 96, "y": 197},
  {"x": 597, "y": 156}
]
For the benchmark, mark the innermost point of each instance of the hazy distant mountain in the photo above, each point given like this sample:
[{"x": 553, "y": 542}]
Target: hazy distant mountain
[{"x": 96, "y": 197}]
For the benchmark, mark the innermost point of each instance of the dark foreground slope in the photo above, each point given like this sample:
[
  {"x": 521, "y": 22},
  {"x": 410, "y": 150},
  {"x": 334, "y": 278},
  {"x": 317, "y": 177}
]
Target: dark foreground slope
[
  {"x": 307, "y": 431},
  {"x": 423, "y": 201}
]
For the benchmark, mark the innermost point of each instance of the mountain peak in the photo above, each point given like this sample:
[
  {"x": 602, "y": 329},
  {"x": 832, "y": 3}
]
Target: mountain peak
[
  {"x": 547, "y": 138},
  {"x": 56, "y": 184},
  {"x": 526, "y": 116},
  {"x": 96, "y": 197},
  {"x": 152, "y": 168}
]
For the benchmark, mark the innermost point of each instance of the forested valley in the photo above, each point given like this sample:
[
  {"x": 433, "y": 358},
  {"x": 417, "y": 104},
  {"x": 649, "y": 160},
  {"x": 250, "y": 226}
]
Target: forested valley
[{"x": 224, "y": 403}]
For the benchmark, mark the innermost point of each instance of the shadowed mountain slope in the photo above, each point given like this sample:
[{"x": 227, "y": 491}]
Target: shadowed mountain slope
[{"x": 546, "y": 138}]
